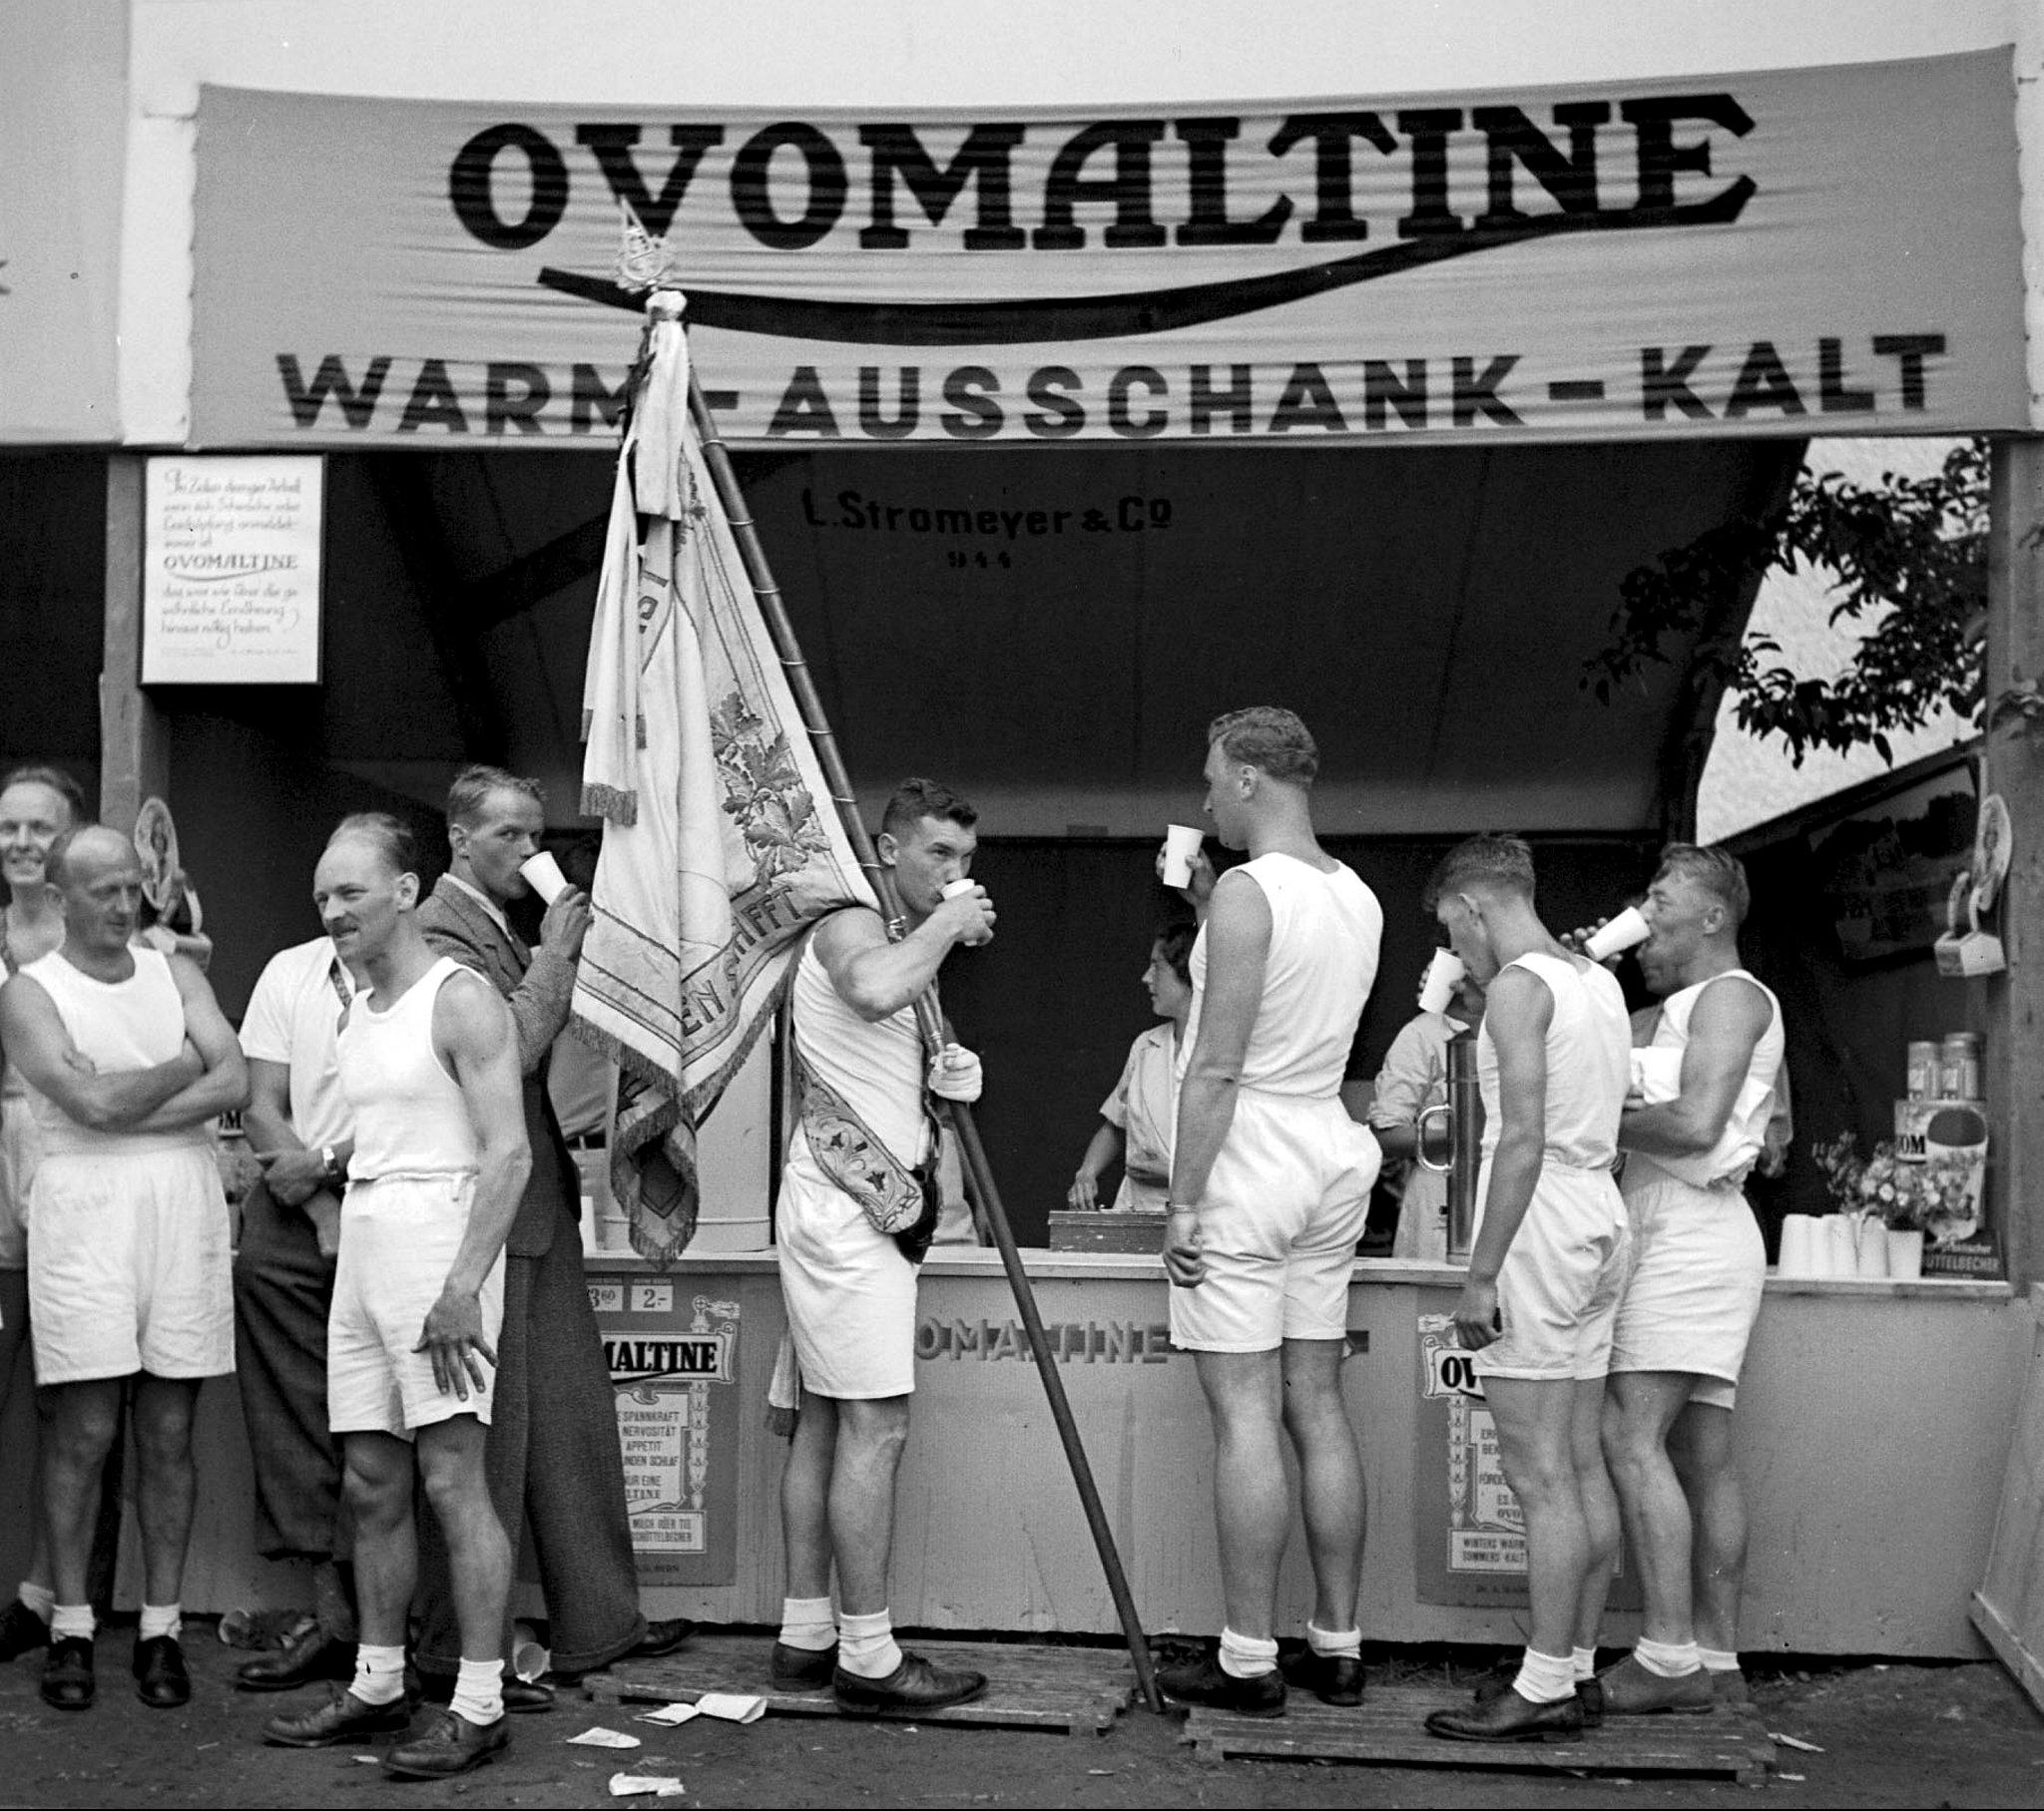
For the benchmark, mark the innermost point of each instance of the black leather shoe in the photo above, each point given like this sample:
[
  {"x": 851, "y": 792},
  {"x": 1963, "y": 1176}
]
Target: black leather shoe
[
  {"x": 1333, "y": 1680},
  {"x": 161, "y": 1680},
  {"x": 342, "y": 1718},
  {"x": 662, "y": 1639},
  {"x": 1202, "y": 1681},
  {"x": 452, "y": 1745},
  {"x": 804, "y": 1668},
  {"x": 1589, "y": 1693},
  {"x": 67, "y": 1674},
  {"x": 1511, "y": 1719},
  {"x": 21, "y": 1631},
  {"x": 521, "y": 1698},
  {"x": 309, "y": 1657},
  {"x": 916, "y": 1684}
]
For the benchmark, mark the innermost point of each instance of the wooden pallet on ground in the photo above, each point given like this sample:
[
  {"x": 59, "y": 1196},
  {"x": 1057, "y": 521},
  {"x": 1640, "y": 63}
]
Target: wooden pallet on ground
[
  {"x": 1077, "y": 1691},
  {"x": 1390, "y": 1727}
]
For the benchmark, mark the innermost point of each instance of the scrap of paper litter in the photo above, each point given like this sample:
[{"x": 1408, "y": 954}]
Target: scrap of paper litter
[
  {"x": 1796, "y": 1742},
  {"x": 597, "y": 1736},
  {"x": 646, "y": 1785},
  {"x": 667, "y": 1715},
  {"x": 732, "y": 1706}
]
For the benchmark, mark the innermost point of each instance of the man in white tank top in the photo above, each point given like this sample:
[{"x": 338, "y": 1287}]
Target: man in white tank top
[
  {"x": 848, "y": 1285},
  {"x": 129, "y": 1060},
  {"x": 428, "y": 1063},
  {"x": 1689, "y": 1304},
  {"x": 1269, "y": 1190},
  {"x": 1547, "y": 1266}
]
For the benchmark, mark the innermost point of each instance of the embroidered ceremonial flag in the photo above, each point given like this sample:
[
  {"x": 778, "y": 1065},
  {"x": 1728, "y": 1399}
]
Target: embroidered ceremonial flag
[{"x": 720, "y": 846}]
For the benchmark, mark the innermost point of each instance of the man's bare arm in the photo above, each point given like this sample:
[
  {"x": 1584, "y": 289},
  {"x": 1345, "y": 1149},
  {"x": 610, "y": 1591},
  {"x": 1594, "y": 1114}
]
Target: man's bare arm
[
  {"x": 876, "y": 978},
  {"x": 1238, "y": 950},
  {"x": 1729, "y": 1018},
  {"x": 1518, "y": 1012},
  {"x": 38, "y": 1045},
  {"x": 223, "y": 1088}
]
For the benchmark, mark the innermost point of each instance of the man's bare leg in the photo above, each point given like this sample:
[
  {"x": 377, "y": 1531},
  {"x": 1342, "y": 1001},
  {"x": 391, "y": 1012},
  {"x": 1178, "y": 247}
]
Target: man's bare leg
[
  {"x": 77, "y": 1420},
  {"x": 1701, "y": 1451},
  {"x": 376, "y": 1476},
  {"x": 871, "y": 1434},
  {"x": 167, "y": 1482},
  {"x": 1251, "y": 1505},
  {"x": 1599, "y": 1508},
  {"x": 450, "y": 1462},
  {"x": 1330, "y": 1478},
  {"x": 1641, "y": 1410},
  {"x": 805, "y": 1497},
  {"x": 1536, "y": 1443}
]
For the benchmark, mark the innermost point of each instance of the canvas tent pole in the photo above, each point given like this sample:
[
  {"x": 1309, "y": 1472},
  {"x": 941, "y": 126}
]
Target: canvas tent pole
[{"x": 936, "y": 1032}]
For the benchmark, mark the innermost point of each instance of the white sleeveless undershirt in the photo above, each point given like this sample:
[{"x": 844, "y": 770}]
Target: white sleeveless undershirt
[
  {"x": 121, "y": 1026},
  {"x": 409, "y": 1113},
  {"x": 874, "y": 1065},
  {"x": 1744, "y": 1131},
  {"x": 1325, "y": 933},
  {"x": 1589, "y": 1043}
]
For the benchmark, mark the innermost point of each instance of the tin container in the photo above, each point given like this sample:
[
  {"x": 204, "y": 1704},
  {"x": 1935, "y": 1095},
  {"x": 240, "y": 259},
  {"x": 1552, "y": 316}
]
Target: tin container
[
  {"x": 1925, "y": 1069},
  {"x": 1958, "y": 1064}
]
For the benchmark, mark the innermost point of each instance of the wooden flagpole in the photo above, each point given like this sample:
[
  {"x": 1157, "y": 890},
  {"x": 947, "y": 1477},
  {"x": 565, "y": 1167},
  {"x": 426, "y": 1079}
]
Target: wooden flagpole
[{"x": 936, "y": 1032}]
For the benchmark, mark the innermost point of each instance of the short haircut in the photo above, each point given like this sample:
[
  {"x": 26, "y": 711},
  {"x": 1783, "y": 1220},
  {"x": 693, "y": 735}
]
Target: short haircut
[
  {"x": 59, "y": 782},
  {"x": 1269, "y": 738},
  {"x": 917, "y": 799},
  {"x": 1175, "y": 939},
  {"x": 1718, "y": 871},
  {"x": 473, "y": 785},
  {"x": 1499, "y": 865},
  {"x": 392, "y": 835},
  {"x": 60, "y": 850}
]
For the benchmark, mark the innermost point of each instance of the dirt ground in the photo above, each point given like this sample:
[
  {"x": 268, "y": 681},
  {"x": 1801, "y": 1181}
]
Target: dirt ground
[{"x": 1890, "y": 1735}]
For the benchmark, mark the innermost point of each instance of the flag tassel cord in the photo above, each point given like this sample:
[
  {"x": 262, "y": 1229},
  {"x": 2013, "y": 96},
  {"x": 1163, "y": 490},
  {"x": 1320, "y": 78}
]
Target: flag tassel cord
[{"x": 935, "y": 1033}]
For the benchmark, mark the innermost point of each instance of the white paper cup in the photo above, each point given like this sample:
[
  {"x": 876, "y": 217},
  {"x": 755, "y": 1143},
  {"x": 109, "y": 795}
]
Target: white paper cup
[
  {"x": 543, "y": 874},
  {"x": 1443, "y": 973},
  {"x": 1844, "y": 1233},
  {"x": 1871, "y": 1238},
  {"x": 530, "y": 1662},
  {"x": 1181, "y": 843},
  {"x": 953, "y": 888},
  {"x": 1800, "y": 1241},
  {"x": 1620, "y": 933}
]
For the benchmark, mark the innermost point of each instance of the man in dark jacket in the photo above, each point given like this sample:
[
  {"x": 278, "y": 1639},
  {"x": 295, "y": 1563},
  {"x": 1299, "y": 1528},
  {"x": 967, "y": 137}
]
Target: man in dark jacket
[{"x": 553, "y": 1455}]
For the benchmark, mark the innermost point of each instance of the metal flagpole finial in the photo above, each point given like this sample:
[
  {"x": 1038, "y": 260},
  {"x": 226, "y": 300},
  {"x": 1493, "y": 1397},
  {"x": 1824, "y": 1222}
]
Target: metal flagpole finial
[{"x": 645, "y": 260}]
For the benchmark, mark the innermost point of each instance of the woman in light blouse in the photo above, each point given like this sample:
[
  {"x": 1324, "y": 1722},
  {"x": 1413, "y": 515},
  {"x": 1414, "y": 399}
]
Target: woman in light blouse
[{"x": 1137, "y": 1120}]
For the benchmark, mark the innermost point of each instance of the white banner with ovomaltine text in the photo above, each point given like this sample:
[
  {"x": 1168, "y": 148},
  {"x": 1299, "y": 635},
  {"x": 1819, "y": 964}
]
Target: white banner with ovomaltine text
[{"x": 1831, "y": 251}]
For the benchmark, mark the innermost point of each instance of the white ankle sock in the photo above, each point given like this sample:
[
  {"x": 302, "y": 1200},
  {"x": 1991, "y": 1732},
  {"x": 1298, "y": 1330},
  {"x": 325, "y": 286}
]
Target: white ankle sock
[
  {"x": 72, "y": 1621},
  {"x": 1584, "y": 1661},
  {"x": 379, "y": 1674},
  {"x": 479, "y": 1691},
  {"x": 1716, "y": 1659},
  {"x": 806, "y": 1622},
  {"x": 1245, "y": 1657},
  {"x": 1545, "y": 1678},
  {"x": 1667, "y": 1659},
  {"x": 37, "y": 1597},
  {"x": 866, "y": 1646},
  {"x": 161, "y": 1620},
  {"x": 1335, "y": 1644}
]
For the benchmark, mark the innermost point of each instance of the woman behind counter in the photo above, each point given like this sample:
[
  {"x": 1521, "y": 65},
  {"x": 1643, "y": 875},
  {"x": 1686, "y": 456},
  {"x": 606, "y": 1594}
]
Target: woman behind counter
[
  {"x": 1137, "y": 1120},
  {"x": 1414, "y": 1079}
]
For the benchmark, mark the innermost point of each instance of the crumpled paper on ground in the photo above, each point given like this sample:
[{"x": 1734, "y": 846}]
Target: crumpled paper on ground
[{"x": 646, "y": 1785}]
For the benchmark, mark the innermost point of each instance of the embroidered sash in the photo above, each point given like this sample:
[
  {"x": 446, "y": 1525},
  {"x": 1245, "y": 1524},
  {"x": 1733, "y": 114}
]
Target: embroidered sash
[{"x": 898, "y": 1201}]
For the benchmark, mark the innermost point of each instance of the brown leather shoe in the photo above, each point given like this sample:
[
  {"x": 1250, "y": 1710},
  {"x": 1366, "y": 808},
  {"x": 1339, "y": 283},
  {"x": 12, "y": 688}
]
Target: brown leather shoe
[
  {"x": 1589, "y": 1693},
  {"x": 312, "y": 1655},
  {"x": 804, "y": 1668},
  {"x": 451, "y": 1745},
  {"x": 1510, "y": 1718},
  {"x": 1631, "y": 1690},
  {"x": 916, "y": 1684},
  {"x": 342, "y": 1718}
]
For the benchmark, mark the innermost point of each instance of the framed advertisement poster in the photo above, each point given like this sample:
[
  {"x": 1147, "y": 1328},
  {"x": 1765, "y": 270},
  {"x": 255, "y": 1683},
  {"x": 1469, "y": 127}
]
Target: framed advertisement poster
[
  {"x": 1887, "y": 869},
  {"x": 230, "y": 570}
]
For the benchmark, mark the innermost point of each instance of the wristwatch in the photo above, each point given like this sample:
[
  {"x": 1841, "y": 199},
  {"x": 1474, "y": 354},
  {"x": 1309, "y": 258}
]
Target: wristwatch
[{"x": 335, "y": 1169}]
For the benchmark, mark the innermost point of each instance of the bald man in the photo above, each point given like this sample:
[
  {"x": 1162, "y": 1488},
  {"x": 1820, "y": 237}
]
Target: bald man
[{"x": 130, "y": 1268}]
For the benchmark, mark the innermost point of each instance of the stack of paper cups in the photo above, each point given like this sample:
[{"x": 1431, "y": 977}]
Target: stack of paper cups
[
  {"x": 1844, "y": 1235},
  {"x": 1871, "y": 1238},
  {"x": 1800, "y": 1242}
]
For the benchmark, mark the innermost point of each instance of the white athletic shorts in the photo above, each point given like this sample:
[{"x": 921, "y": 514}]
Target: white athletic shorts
[
  {"x": 398, "y": 1238},
  {"x": 1558, "y": 1290},
  {"x": 1284, "y": 1207},
  {"x": 850, "y": 1293},
  {"x": 1698, "y": 1267},
  {"x": 131, "y": 1264}
]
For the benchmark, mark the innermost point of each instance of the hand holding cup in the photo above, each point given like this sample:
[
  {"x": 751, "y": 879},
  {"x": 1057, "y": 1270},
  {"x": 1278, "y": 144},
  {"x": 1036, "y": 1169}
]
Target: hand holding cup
[
  {"x": 1617, "y": 935},
  {"x": 967, "y": 913}
]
